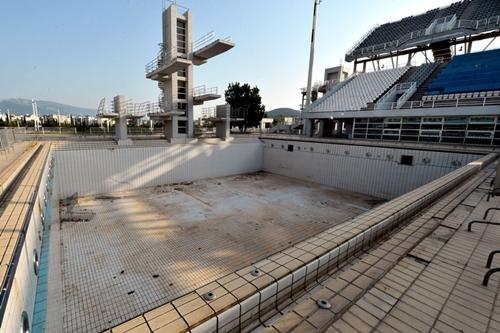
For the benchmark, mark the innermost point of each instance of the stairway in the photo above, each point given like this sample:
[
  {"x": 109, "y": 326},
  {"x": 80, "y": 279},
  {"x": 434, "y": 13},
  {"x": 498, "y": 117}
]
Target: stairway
[
  {"x": 402, "y": 79},
  {"x": 417, "y": 96},
  {"x": 441, "y": 50}
]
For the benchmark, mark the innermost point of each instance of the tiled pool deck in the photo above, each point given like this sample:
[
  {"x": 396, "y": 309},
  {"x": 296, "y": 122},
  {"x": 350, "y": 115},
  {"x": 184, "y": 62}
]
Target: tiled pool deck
[{"x": 427, "y": 277}]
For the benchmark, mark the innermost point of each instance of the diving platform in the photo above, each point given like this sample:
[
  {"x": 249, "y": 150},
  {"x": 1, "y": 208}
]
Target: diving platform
[
  {"x": 202, "y": 94},
  {"x": 165, "y": 115},
  {"x": 211, "y": 50},
  {"x": 109, "y": 115},
  {"x": 163, "y": 66}
]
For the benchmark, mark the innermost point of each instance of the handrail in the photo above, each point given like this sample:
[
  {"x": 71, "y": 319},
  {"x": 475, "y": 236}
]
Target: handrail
[
  {"x": 469, "y": 225},
  {"x": 164, "y": 6},
  {"x": 203, "y": 41},
  {"x": 203, "y": 90},
  {"x": 458, "y": 102},
  {"x": 461, "y": 24},
  {"x": 164, "y": 58},
  {"x": 488, "y": 275},
  {"x": 410, "y": 87},
  {"x": 490, "y": 258},
  {"x": 327, "y": 84}
]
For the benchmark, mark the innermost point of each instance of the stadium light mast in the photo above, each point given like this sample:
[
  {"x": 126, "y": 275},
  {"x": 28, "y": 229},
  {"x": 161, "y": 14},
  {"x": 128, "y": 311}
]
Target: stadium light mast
[
  {"x": 311, "y": 54},
  {"x": 34, "y": 108}
]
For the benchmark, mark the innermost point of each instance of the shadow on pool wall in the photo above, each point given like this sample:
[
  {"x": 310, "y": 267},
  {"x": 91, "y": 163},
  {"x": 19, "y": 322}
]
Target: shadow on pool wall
[{"x": 377, "y": 171}]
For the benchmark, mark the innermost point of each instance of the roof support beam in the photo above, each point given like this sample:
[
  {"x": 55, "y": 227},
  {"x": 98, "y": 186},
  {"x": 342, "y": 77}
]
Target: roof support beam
[{"x": 417, "y": 49}]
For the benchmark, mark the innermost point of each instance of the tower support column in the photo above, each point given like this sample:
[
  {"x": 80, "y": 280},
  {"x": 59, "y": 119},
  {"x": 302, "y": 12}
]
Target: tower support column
[{"x": 120, "y": 108}]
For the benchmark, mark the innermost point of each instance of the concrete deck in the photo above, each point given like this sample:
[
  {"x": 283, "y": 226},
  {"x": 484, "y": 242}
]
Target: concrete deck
[{"x": 142, "y": 248}]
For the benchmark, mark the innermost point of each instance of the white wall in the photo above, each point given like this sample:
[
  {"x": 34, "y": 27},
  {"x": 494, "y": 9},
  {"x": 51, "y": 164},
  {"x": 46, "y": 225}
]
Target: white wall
[
  {"x": 93, "y": 171},
  {"x": 370, "y": 170},
  {"x": 349, "y": 167}
]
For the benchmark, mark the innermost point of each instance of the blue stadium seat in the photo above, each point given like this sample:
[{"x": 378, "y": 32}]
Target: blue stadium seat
[{"x": 468, "y": 73}]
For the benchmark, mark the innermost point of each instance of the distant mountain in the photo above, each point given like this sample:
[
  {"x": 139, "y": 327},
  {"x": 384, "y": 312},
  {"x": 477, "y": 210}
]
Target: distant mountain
[
  {"x": 282, "y": 112},
  {"x": 23, "y": 106}
]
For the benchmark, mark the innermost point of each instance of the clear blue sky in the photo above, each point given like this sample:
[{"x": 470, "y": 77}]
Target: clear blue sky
[{"x": 76, "y": 52}]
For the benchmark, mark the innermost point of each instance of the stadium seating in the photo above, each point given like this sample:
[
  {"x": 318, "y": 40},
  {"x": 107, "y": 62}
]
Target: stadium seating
[
  {"x": 473, "y": 72},
  {"x": 465, "y": 10},
  {"x": 360, "y": 90},
  {"x": 481, "y": 9},
  {"x": 456, "y": 8},
  {"x": 392, "y": 31}
]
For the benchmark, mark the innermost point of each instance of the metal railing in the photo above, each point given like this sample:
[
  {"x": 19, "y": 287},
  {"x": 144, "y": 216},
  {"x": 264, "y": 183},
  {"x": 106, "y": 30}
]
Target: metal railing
[
  {"x": 458, "y": 102},
  {"x": 408, "y": 88},
  {"x": 167, "y": 56},
  {"x": 203, "y": 90},
  {"x": 168, "y": 3},
  {"x": 207, "y": 113},
  {"x": 458, "y": 25},
  {"x": 164, "y": 58},
  {"x": 322, "y": 84},
  {"x": 131, "y": 109},
  {"x": 205, "y": 40},
  {"x": 9, "y": 136}
]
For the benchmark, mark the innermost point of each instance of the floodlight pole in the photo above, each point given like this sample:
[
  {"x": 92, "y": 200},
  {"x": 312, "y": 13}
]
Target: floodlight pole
[{"x": 311, "y": 54}]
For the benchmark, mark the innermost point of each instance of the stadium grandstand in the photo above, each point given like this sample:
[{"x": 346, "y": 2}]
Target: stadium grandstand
[{"x": 452, "y": 97}]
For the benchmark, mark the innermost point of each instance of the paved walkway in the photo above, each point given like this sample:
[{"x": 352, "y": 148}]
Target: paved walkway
[{"x": 14, "y": 208}]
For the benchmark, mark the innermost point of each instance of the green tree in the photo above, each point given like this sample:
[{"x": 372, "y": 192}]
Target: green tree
[{"x": 245, "y": 103}]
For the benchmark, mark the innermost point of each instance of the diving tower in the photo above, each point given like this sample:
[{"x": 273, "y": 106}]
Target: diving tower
[{"x": 173, "y": 70}]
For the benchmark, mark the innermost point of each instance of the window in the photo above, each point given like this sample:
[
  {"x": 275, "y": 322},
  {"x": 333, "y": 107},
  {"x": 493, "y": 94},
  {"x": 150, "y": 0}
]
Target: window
[
  {"x": 406, "y": 159},
  {"x": 181, "y": 89},
  {"x": 181, "y": 37},
  {"x": 181, "y": 127},
  {"x": 290, "y": 147}
]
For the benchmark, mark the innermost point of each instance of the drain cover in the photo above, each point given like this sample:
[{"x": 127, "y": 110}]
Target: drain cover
[
  {"x": 256, "y": 272},
  {"x": 323, "y": 304},
  {"x": 210, "y": 296}
]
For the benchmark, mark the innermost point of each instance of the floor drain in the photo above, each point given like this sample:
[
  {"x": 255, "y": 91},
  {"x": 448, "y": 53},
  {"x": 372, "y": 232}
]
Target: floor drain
[
  {"x": 210, "y": 296},
  {"x": 323, "y": 304},
  {"x": 256, "y": 272}
]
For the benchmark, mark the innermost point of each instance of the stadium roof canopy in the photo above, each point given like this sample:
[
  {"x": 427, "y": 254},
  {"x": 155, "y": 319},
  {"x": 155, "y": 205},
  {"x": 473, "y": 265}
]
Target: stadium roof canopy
[{"x": 463, "y": 21}]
